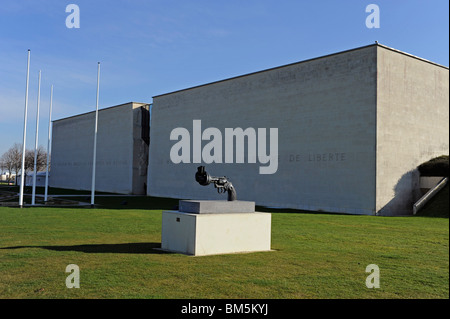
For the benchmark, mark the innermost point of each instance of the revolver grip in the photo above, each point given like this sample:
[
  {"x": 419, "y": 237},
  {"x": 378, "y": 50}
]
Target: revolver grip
[{"x": 231, "y": 193}]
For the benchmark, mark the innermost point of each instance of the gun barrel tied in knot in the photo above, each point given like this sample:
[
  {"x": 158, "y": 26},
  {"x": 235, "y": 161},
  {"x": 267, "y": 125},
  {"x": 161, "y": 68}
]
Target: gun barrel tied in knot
[{"x": 222, "y": 184}]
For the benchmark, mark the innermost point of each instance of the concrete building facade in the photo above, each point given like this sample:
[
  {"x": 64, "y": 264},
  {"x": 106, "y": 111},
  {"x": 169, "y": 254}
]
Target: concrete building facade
[
  {"x": 412, "y": 125},
  {"x": 352, "y": 128},
  {"x": 122, "y": 150}
]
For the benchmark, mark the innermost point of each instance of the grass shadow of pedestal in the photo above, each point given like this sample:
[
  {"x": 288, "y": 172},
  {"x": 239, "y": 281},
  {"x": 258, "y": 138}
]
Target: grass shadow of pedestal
[{"x": 125, "y": 248}]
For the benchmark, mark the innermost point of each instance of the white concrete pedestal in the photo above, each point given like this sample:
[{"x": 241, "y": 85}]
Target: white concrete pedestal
[{"x": 210, "y": 234}]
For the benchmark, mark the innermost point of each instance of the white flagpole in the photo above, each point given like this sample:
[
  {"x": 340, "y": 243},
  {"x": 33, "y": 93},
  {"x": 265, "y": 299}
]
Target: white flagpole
[
  {"x": 33, "y": 194},
  {"x": 95, "y": 140},
  {"x": 48, "y": 143},
  {"x": 22, "y": 177}
]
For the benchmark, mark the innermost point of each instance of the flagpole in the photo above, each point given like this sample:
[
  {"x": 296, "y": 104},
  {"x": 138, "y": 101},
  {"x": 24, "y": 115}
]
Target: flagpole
[
  {"x": 95, "y": 140},
  {"x": 48, "y": 143},
  {"x": 22, "y": 177},
  {"x": 33, "y": 194}
]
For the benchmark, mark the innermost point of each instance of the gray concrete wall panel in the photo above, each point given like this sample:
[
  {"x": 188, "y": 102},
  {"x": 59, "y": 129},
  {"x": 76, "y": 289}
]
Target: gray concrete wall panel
[
  {"x": 412, "y": 126},
  {"x": 324, "y": 110}
]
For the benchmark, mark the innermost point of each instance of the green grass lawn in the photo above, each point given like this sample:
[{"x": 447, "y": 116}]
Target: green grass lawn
[{"x": 315, "y": 256}]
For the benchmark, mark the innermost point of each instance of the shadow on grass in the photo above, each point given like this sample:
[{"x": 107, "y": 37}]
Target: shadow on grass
[
  {"x": 127, "y": 248},
  {"x": 136, "y": 202}
]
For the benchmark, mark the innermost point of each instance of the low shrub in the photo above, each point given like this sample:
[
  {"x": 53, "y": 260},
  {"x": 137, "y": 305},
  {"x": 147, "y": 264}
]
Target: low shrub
[{"x": 437, "y": 166}]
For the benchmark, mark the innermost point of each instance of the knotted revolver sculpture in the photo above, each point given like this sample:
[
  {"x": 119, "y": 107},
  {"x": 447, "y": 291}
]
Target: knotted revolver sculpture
[{"x": 222, "y": 184}]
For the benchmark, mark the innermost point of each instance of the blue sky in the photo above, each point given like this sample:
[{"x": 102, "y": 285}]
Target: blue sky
[{"x": 151, "y": 47}]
